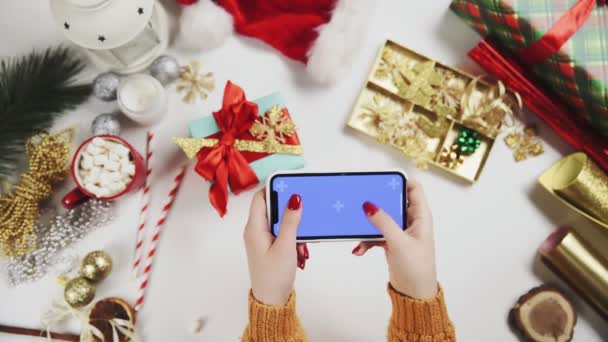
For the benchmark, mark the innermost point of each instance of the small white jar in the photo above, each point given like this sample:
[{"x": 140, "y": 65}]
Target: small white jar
[{"x": 142, "y": 98}]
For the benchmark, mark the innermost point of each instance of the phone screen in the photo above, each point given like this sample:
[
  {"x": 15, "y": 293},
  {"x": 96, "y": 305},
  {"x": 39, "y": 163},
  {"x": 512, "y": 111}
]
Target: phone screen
[{"x": 333, "y": 202}]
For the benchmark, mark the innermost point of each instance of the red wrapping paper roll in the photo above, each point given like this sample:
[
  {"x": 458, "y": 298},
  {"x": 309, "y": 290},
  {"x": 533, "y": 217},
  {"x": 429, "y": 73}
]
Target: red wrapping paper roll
[{"x": 574, "y": 129}]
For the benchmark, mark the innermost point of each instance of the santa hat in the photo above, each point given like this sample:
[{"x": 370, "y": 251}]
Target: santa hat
[{"x": 323, "y": 34}]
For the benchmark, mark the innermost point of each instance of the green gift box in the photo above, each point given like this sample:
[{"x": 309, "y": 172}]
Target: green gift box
[{"x": 578, "y": 72}]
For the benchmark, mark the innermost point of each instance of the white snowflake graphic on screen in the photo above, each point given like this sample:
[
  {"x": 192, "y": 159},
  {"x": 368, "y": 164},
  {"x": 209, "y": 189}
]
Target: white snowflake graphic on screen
[
  {"x": 281, "y": 186},
  {"x": 338, "y": 206},
  {"x": 394, "y": 184}
]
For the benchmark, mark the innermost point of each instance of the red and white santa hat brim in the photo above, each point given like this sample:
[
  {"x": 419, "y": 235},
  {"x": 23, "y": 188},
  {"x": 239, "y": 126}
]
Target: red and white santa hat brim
[
  {"x": 205, "y": 25},
  {"x": 338, "y": 40}
]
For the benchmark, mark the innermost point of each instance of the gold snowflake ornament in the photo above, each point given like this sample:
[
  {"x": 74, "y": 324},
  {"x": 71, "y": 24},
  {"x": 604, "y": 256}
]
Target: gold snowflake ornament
[
  {"x": 274, "y": 127},
  {"x": 525, "y": 144},
  {"x": 193, "y": 82}
]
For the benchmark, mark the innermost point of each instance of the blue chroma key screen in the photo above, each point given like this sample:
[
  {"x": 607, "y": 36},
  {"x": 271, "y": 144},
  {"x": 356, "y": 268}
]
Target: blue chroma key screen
[{"x": 333, "y": 202}]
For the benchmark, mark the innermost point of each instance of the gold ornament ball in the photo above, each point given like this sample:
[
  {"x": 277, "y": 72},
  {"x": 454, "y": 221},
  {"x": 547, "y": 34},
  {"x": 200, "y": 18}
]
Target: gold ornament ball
[
  {"x": 79, "y": 292},
  {"x": 96, "y": 266}
]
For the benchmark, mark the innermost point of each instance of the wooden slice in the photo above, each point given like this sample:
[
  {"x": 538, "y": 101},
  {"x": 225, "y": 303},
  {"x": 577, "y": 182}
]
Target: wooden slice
[
  {"x": 544, "y": 314},
  {"x": 106, "y": 310}
]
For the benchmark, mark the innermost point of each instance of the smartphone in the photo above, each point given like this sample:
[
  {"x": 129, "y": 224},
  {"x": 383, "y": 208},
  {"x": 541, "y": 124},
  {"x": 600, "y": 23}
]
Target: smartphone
[{"x": 333, "y": 202}]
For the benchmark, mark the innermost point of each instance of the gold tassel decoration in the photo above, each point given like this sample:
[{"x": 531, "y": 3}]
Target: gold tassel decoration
[{"x": 48, "y": 156}]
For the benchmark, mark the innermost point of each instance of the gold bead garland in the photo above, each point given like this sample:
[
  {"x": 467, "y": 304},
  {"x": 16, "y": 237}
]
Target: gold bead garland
[{"x": 48, "y": 156}]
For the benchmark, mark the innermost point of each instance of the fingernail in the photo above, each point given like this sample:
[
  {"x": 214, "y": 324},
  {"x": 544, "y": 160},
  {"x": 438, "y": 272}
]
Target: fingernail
[
  {"x": 306, "y": 255},
  {"x": 295, "y": 201},
  {"x": 357, "y": 249},
  {"x": 370, "y": 209},
  {"x": 301, "y": 265}
]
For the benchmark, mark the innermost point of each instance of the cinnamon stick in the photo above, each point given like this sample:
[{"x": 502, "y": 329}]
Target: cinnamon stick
[{"x": 38, "y": 333}]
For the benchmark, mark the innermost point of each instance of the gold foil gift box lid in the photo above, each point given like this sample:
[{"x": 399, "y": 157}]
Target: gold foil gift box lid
[{"x": 580, "y": 184}]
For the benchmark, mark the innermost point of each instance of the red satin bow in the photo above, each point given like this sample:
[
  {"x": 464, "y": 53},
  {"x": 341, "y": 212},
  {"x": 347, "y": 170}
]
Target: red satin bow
[
  {"x": 553, "y": 40},
  {"x": 223, "y": 163}
]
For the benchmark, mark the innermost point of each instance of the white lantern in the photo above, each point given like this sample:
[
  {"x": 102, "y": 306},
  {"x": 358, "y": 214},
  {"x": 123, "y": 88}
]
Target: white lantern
[{"x": 123, "y": 35}]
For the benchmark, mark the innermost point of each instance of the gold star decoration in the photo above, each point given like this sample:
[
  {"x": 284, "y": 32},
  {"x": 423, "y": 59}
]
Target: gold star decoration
[
  {"x": 273, "y": 127},
  {"x": 193, "y": 82},
  {"x": 525, "y": 144},
  {"x": 422, "y": 81}
]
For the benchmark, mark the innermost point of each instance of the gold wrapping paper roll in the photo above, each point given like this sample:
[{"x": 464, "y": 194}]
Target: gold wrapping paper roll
[
  {"x": 579, "y": 183},
  {"x": 582, "y": 267},
  {"x": 582, "y": 183}
]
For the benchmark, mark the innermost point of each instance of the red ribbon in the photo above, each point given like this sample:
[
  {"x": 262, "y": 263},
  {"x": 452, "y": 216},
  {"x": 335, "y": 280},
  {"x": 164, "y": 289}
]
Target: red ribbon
[
  {"x": 223, "y": 163},
  {"x": 553, "y": 40},
  {"x": 574, "y": 129}
]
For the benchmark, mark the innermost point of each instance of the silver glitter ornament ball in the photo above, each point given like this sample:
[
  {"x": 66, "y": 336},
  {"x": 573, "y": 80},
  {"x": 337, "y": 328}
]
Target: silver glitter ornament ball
[
  {"x": 105, "y": 86},
  {"x": 106, "y": 124},
  {"x": 165, "y": 69}
]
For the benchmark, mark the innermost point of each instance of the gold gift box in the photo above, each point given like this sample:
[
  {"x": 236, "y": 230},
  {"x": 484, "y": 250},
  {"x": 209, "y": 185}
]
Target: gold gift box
[{"x": 415, "y": 104}]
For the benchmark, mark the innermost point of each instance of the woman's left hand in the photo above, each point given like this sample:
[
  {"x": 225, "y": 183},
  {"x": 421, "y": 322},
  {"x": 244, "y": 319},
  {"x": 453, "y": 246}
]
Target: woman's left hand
[{"x": 272, "y": 261}]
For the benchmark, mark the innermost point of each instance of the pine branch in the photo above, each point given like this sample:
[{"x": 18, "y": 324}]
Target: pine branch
[{"x": 34, "y": 90}]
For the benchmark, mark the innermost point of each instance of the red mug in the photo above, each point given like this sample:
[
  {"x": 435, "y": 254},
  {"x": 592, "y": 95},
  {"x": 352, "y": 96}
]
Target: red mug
[{"x": 80, "y": 194}]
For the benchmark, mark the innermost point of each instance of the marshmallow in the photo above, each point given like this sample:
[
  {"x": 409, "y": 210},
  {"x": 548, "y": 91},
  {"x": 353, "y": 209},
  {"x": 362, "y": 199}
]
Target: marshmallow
[
  {"x": 101, "y": 159},
  {"x": 92, "y": 178},
  {"x": 102, "y": 192},
  {"x": 113, "y": 156},
  {"x": 120, "y": 150},
  {"x": 94, "y": 150},
  {"x": 116, "y": 187},
  {"x": 86, "y": 156},
  {"x": 92, "y": 188},
  {"x": 111, "y": 165},
  {"x": 99, "y": 142},
  {"x": 86, "y": 163},
  {"x": 128, "y": 169},
  {"x": 105, "y": 178},
  {"x": 114, "y": 176},
  {"x": 126, "y": 179}
]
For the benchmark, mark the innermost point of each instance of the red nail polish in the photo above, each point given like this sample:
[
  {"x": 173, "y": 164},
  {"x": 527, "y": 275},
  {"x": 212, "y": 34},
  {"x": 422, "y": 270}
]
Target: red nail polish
[
  {"x": 303, "y": 264},
  {"x": 370, "y": 209},
  {"x": 295, "y": 201},
  {"x": 306, "y": 254},
  {"x": 357, "y": 249}
]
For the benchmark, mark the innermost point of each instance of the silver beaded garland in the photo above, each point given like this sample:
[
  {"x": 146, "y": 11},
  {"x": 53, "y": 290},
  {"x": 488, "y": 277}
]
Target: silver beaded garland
[
  {"x": 105, "y": 86},
  {"x": 54, "y": 236},
  {"x": 165, "y": 69},
  {"x": 106, "y": 124}
]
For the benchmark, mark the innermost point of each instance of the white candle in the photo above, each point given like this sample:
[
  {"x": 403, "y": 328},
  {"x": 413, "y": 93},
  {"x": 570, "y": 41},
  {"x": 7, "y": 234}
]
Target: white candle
[{"x": 142, "y": 98}]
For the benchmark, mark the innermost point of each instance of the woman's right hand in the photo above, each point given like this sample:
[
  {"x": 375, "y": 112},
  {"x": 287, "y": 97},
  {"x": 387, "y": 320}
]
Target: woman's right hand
[{"x": 411, "y": 253}]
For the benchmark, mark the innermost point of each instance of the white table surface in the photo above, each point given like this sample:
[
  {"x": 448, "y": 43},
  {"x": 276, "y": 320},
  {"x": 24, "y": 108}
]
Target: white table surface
[{"x": 486, "y": 234}]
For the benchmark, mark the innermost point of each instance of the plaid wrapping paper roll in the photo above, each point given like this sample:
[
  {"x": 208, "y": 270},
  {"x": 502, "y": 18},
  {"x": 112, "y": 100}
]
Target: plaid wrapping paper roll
[{"x": 578, "y": 73}]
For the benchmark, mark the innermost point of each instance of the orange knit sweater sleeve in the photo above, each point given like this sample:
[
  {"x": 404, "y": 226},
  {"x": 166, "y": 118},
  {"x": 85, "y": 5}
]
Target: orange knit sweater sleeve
[
  {"x": 419, "y": 320},
  {"x": 412, "y": 321},
  {"x": 273, "y": 323}
]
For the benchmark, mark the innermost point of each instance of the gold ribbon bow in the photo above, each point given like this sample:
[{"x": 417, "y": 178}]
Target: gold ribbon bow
[
  {"x": 486, "y": 110},
  {"x": 48, "y": 156},
  {"x": 272, "y": 131}
]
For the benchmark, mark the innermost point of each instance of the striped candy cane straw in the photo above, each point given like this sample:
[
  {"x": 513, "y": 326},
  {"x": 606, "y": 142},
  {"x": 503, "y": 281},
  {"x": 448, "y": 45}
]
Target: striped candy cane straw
[
  {"x": 177, "y": 181},
  {"x": 145, "y": 204}
]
